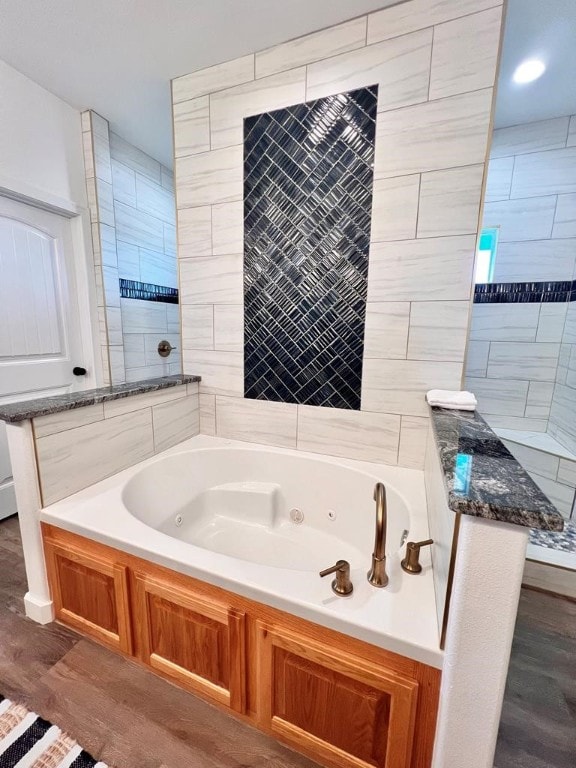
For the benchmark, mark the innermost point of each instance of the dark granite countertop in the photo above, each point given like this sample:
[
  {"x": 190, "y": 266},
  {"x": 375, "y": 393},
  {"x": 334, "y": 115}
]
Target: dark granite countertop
[
  {"x": 30, "y": 409},
  {"x": 482, "y": 477}
]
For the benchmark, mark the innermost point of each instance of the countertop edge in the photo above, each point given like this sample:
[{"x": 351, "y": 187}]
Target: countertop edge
[{"x": 24, "y": 410}]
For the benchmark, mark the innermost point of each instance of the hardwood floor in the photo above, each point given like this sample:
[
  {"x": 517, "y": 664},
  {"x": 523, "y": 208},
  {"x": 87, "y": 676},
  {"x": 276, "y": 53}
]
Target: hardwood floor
[{"x": 129, "y": 718}]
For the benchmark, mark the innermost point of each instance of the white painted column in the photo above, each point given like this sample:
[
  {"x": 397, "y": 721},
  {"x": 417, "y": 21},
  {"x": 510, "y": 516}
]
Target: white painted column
[
  {"x": 483, "y": 609},
  {"x": 37, "y": 601}
]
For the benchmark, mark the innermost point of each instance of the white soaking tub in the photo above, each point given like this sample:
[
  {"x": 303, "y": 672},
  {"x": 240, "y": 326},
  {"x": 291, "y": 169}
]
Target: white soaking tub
[{"x": 262, "y": 522}]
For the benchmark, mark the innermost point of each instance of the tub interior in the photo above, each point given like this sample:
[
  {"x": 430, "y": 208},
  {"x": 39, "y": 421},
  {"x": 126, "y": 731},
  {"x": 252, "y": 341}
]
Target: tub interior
[{"x": 275, "y": 509}]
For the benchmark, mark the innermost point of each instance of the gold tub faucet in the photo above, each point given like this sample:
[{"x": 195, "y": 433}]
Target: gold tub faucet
[{"x": 377, "y": 574}]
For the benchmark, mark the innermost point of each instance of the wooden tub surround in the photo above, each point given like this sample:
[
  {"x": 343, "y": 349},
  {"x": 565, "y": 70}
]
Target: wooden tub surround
[{"x": 336, "y": 699}]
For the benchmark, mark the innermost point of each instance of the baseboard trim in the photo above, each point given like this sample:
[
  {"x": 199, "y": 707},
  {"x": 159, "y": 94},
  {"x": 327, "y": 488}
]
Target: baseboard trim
[{"x": 38, "y": 609}]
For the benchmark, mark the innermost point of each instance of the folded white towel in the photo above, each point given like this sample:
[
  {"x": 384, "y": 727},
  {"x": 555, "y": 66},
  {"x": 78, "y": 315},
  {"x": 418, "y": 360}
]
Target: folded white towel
[{"x": 458, "y": 401}]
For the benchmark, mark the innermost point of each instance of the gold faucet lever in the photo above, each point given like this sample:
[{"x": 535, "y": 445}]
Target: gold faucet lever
[
  {"x": 411, "y": 563},
  {"x": 377, "y": 575},
  {"x": 341, "y": 584}
]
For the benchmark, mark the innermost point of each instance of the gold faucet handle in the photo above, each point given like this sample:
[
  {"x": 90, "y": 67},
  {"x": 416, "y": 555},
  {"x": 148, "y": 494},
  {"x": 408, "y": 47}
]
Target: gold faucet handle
[
  {"x": 411, "y": 563},
  {"x": 341, "y": 584}
]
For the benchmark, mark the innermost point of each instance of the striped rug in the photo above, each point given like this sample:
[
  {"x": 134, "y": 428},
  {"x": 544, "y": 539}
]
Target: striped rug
[{"x": 28, "y": 741}]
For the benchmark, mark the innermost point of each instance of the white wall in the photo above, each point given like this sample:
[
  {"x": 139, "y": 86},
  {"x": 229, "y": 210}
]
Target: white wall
[{"x": 40, "y": 142}]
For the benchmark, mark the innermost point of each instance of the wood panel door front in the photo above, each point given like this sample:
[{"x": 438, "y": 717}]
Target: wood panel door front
[
  {"x": 90, "y": 594},
  {"x": 199, "y": 643},
  {"x": 334, "y": 706}
]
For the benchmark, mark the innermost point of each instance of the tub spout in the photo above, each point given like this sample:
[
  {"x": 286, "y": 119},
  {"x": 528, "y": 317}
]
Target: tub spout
[{"x": 377, "y": 574}]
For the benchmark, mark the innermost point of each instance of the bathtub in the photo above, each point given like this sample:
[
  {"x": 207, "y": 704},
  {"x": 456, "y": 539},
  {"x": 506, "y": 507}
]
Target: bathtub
[{"x": 262, "y": 522}]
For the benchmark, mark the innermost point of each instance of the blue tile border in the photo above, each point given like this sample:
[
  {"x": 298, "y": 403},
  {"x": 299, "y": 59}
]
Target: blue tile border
[
  {"x": 525, "y": 293},
  {"x": 133, "y": 289}
]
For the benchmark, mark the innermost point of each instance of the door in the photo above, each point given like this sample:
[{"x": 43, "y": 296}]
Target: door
[{"x": 40, "y": 338}]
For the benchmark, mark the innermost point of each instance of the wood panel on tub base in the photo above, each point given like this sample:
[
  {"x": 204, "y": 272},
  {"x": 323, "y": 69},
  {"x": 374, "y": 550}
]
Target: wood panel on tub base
[{"x": 338, "y": 700}]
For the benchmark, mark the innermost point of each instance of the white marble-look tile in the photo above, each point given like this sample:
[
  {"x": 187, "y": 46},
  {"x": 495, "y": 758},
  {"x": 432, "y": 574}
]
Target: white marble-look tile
[
  {"x": 211, "y": 280},
  {"x": 147, "y": 372},
  {"x": 151, "y": 341},
  {"x": 539, "y": 136},
  {"x": 191, "y": 126},
  {"x": 565, "y": 218},
  {"x": 533, "y": 461},
  {"x": 422, "y": 270},
  {"x": 539, "y": 399},
  {"x": 228, "y": 108},
  {"x": 571, "y": 141},
  {"x": 504, "y": 322},
  {"x": 88, "y": 153},
  {"x": 438, "y": 330},
  {"x": 545, "y": 173},
  {"x": 570, "y": 326},
  {"x": 256, "y": 421},
  {"x": 175, "y": 421},
  {"x": 134, "y": 158},
  {"x": 154, "y": 200},
  {"x": 114, "y": 324},
  {"x": 413, "y": 436},
  {"x": 228, "y": 228},
  {"x": 101, "y": 145},
  {"x": 210, "y": 79},
  {"x": 499, "y": 179},
  {"x": 124, "y": 183},
  {"x": 528, "y": 361},
  {"x": 386, "y": 329},
  {"x": 540, "y": 261},
  {"x": 477, "y": 358},
  {"x": 400, "y": 67},
  {"x": 170, "y": 243},
  {"x": 111, "y": 286},
  {"x": 559, "y": 416},
  {"x": 562, "y": 496},
  {"x": 59, "y": 422},
  {"x": 134, "y": 352},
  {"x": 105, "y": 359},
  {"x": 222, "y": 372},
  {"x": 515, "y": 422},
  {"x": 173, "y": 318},
  {"x": 400, "y": 386},
  {"x": 450, "y": 202},
  {"x": 195, "y": 232},
  {"x": 465, "y": 54},
  {"x": 92, "y": 195},
  {"x": 123, "y": 405},
  {"x": 526, "y": 219},
  {"x": 567, "y": 472},
  {"x": 128, "y": 260},
  {"x": 551, "y": 322},
  {"x": 85, "y": 121},
  {"x": 229, "y": 327},
  {"x": 428, "y": 137},
  {"x": 395, "y": 208},
  {"x": 117, "y": 364},
  {"x": 210, "y": 178},
  {"x": 137, "y": 228},
  {"x": 318, "y": 45},
  {"x": 167, "y": 178},
  {"x": 158, "y": 268},
  {"x": 71, "y": 460},
  {"x": 207, "y": 414},
  {"x": 108, "y": 253},
  {"x": 417, "y": 14},
  {"x": 139, "y": 316},
  {"x": 350, "y": 434},
  {"x": 198, "y": 327},
  {"x": 499, "y": 397},
  {"x": 105, "y": 202}
]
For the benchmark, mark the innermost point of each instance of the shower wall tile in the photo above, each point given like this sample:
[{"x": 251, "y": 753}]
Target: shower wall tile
[
  {"x": 530, "y": 137},
  {"x": 229, "y": 327},
  {"x": 477, "y": 358},
  {"x": 207, "y": 414},
  {"x": 504, "y": 322},
  {"x": 192, "y": 126},
  {"x": 222, "y": 372},
  {"x": 195, "y": 232},
  {"x": 400, "y": 67},
  {"x": 211, "y": 280},
  {"x": 175, "y": 422},
  {"x": 565, "y": 219},
  {"x": 227, "y": 228},
  {"x": 499, "y": 180},
  {"x": 535, "y": 260},
  {"x": 257, "y": 421},
  {"x": 535, "y": 362},
  {"x": 350, "y": 434},
  {"x": 499, "y": 397},
  {"x": 395, "y": 208},
  {"x": 539, "y": 173},
  {"x": 413, "y": 437},
  {"x": 417, "y": 14},
  {"x": 229, "y": 107},
  {"x": 386, "y": 333},
  {"x": 154, "y": 200},
  {"x": 524, "y": 219},
  {"x": 439, "y": 134},
  {"x": 128, "y": 261},
  {"x": 450, "y": 202},
  {"x": 138, "y": 228},
  {"x": 209, "y": 178},
  {"x": 132, "y": 157},
  {"x": 461, "y": 60},
  {"x": 422, "y": 270},
  {"x": 438, "y": 330},
  {"x": 212, "y": 79},
  {"x": 124, "y": 183},
  {"x": 520, "y": 423},
  {"x": 198, "y": 327},
  {"x": 318, "y": 45},
  {"x": 539, "y": 399},
  {"x": 551, "y": 322}
]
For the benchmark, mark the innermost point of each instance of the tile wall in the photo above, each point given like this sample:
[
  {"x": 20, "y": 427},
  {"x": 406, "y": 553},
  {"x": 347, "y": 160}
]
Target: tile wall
[
  {"x": 516, "y": 345},
  {"x": 133, "y": 210},
  {"x": 431, "y": 139}
]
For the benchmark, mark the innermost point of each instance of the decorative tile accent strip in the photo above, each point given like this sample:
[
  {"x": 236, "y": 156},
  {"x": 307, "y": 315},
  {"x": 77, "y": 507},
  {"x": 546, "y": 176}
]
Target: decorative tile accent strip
[
  {"x": 524, "y": 293},
  {"x": 133, "y": 289},
  {"x": 308, "y": 173},
  {"x": 564, "y": 541}
]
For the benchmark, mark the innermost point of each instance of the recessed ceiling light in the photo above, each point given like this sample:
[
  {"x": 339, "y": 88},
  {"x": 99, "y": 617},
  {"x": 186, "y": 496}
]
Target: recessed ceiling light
[{"x": 528, "y": 71}]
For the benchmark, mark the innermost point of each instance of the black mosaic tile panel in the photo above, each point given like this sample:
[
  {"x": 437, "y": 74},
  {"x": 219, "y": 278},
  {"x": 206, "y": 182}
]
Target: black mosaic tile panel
[
  {"x": 524, "y": 293},
  {"x": 308, "y": 173},
  {"x": 133, "y": 289}
]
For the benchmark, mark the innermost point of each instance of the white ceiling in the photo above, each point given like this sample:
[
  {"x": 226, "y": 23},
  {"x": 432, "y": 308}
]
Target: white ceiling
[
  {"x": 538, "y": 29},
  {"x": 118, "y": 56}
]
